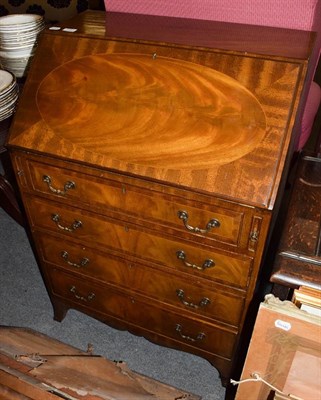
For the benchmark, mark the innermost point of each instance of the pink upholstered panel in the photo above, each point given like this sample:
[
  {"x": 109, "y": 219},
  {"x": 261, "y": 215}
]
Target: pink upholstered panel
[{"x": 296, "y": 14}]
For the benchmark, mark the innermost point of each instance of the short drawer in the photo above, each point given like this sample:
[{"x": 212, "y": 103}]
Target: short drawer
[
  {"x": 115, "y": 193},
  {"x": 159, "y": 284},
  {"x": 131, "y": 241},
  {"x": 180, "y": 328}
]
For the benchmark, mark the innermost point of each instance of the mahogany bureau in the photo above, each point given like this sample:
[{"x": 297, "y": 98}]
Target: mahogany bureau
[{"x": 149, "y": 152}]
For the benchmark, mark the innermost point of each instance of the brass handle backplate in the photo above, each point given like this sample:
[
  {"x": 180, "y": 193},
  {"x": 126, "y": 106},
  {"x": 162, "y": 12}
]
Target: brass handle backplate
[
  {"x": 82, "y": 263},
  {"x": 180, "y": 254},
  {"x": 75, "y": 225},
  {"x": 212, "y": 223},
  {"x": 200, "y": 336},
  {"x": 202, "y": 303},
  {"x": 67, "y": 186},
  {"x": 90, "y": 297}
]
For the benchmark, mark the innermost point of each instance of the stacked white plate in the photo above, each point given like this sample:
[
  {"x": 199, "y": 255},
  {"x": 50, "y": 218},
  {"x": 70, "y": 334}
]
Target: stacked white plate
[
  {"x": 18, "y": 41},
  {"x": 9, "y": 91}
]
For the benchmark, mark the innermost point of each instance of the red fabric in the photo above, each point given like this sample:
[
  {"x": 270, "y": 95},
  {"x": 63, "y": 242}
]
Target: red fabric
[{"x": 311, "y": 108}]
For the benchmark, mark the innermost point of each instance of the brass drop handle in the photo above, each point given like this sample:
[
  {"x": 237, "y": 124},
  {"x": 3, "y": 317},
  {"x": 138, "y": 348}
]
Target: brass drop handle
[
  {"x": 82, "y": 263},
  {"x": 75, "y": 225},
  {"x": 200, "y": 335},
  {"x": 202, "y": 303},
  {"x": 254, "y": 236},
  {"x": 212, "y": 223},
  {"x": 181, "y": 255},
  {"x": 90, "y": 297},
  {"x": 67, "y": 186}
]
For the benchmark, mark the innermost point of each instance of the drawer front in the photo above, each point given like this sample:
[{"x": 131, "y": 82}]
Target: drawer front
[
  {"x": 195, "y": 333},
  {"x": 129, "y": 240},
  {"x": 213, "y": 223},
  {"x": 161, "y": 285}
]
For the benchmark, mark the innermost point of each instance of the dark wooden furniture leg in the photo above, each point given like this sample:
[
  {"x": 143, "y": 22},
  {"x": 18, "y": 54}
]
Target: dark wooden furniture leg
[{"x": 8, "y": 198}]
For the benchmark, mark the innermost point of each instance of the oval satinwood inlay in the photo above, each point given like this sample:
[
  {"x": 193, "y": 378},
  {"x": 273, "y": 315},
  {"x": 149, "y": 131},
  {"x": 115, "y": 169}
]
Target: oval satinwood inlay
[{"x": 153, "y": 111}]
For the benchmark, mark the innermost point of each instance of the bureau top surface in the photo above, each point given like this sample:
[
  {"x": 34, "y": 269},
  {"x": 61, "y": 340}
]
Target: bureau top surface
[{"x": 213, "y": 116}]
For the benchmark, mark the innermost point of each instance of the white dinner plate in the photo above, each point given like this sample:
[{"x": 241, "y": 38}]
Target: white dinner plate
[
  {"x": 6, "y": 79},
  {"x": 23, "y": 21}
]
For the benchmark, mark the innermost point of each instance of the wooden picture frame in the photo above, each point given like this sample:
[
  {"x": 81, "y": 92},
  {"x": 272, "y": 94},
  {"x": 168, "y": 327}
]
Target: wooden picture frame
[
  {"x": 285, "y": 352},
  {"x": 308, "y": 299}
]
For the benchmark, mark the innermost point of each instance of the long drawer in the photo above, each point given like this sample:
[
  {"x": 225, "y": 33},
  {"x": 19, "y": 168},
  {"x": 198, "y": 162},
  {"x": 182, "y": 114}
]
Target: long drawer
[
  {"x": 138, "y": 200},
  {"x": 212, "y": 338},
  {"x": 213, "y": 302},
  {"x": 131, "y": 241}
]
